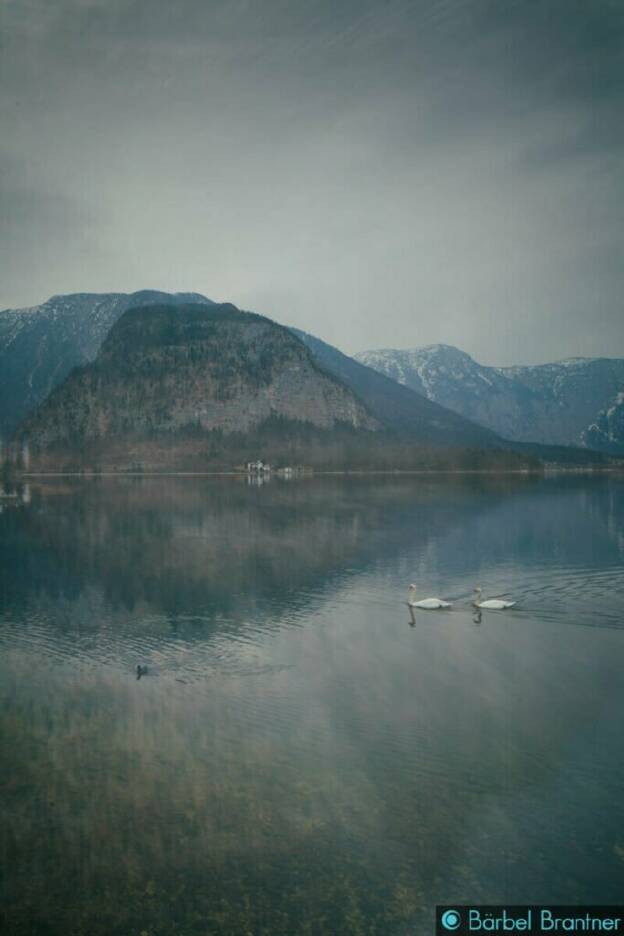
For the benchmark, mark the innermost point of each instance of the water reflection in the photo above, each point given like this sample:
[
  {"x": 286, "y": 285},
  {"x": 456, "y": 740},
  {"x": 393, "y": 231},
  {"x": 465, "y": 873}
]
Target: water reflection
[
  {"x": 297, "y": 759},
  {"x": 14, "y": 495}
]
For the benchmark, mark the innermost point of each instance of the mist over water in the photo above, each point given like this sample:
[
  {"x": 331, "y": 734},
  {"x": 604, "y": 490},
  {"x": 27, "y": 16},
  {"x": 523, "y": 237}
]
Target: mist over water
[{"x": 297, "y": 757}]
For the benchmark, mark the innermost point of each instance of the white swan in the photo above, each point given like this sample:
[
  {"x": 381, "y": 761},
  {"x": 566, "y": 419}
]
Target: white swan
[
  {"x": 490, "y": 604},
  {"x": 429, "y": 604}
]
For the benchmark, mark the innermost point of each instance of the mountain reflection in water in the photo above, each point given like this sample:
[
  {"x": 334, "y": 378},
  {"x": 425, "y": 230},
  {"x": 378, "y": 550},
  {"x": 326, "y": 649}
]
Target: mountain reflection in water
[{"x": 297, "y": 758}]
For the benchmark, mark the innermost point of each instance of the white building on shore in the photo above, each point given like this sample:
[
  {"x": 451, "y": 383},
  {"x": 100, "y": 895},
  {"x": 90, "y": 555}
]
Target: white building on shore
[{"x": 257, "y": 468}]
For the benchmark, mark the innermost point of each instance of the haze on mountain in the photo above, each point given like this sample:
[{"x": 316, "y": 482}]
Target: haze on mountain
[{"x": 397, "y": 173}]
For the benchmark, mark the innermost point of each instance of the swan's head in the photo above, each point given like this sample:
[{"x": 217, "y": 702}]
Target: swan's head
[
  {"x": 412, "y": 588},
  {"x": 477, "y": 590}
]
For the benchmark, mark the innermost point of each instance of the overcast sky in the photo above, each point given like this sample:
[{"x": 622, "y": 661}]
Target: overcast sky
[{"x": 381, "y": 174}]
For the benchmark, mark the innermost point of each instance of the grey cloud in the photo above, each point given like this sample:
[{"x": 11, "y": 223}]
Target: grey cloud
[{"x": 380, "y": 174}]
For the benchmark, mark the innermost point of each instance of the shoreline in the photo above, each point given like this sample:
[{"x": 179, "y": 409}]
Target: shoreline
[{"x": 347, "y": 472}]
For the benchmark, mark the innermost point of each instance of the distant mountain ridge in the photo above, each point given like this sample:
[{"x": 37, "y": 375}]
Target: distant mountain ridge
[
  {"x": 396, "y": 406},
  {"x": 585, "y": 396},
  {"x": 575, "y": 402}
]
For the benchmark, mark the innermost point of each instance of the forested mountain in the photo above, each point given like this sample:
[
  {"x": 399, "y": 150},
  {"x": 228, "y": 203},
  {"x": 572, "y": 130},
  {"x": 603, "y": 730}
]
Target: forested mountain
[{"x": 39, "y": 346}]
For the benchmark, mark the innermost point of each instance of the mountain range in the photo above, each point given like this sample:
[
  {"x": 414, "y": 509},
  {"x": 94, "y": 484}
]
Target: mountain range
[
  {"x": 119, "y": 373},
  {"x": 108, "y": 373},
  {"x": 575, "y": 402}
]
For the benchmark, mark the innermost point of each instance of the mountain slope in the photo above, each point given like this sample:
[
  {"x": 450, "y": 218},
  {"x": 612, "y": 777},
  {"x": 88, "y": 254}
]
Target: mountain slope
[
  {"x": 396, "y": 406},
  {"x": 579, "y": 402},
  {"x": 40, "y": 346},
  {"x": 168, "y": 368}
]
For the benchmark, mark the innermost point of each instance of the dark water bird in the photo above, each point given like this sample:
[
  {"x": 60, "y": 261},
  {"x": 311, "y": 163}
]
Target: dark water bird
[{"x": 141, "y": 670}]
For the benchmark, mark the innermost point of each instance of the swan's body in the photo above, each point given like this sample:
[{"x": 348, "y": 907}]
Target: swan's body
[
  {"x": 428, "y": 604},
  {"x": 495, "y": 604},
  {"x": 490, "y": 604}
]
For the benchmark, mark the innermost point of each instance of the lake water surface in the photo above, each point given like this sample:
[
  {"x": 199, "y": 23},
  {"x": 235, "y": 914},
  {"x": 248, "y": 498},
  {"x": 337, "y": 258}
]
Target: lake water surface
[{"x": 299, "y": 758}]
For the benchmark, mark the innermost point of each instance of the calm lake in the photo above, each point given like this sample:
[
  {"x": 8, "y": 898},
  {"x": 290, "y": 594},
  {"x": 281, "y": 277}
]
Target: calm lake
[{"x": 298, "y": 758}]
